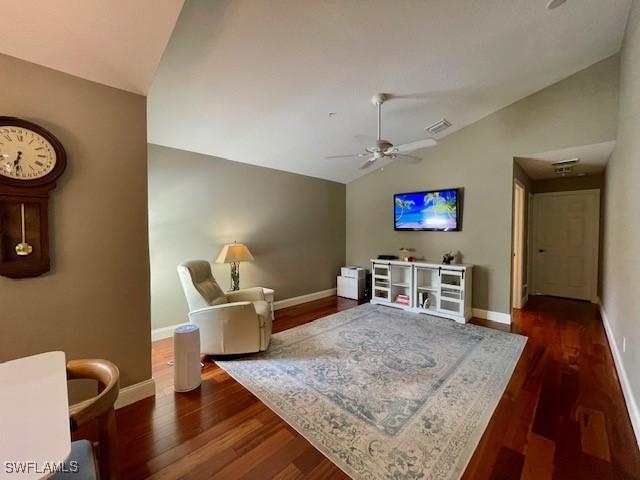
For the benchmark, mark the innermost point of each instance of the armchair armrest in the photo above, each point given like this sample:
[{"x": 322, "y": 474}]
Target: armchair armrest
[
  {"x": 224, "y": 311},
  {"x": 246, "y": 295}
]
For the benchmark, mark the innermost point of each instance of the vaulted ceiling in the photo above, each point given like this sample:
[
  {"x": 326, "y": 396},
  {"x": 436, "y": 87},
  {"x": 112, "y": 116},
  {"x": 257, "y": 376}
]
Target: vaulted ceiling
[
  {"x": 284, "y": 83},
  {"x": 115, "y": 42},
  {"x": 255, "y": 81}
]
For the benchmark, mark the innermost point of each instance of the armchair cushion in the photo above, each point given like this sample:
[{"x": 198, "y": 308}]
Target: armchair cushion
[{"x": 200, "y": 288}]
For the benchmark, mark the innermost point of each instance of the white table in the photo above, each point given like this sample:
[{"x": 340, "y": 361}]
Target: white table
[{"x": 34, "y": 415}]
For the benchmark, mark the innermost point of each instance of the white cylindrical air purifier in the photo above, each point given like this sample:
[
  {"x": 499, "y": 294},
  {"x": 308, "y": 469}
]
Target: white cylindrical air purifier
[{"x": 186, "y": 354}]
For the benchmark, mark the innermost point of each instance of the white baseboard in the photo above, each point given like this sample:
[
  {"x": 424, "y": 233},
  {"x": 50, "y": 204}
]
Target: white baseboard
[
  {"x": 630, "y": 400},
  {"x": 290, "y": 302},
  {"x": 164, "y": 332},
  {"x": 130, "y": 394},
  {"x": 136, "y": 392},
  {"x": 493, "y": 316}
]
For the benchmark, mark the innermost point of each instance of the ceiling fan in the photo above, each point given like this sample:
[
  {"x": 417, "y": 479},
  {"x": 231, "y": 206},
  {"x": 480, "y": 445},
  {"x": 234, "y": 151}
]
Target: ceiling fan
[{"x": 384, "y": 148}]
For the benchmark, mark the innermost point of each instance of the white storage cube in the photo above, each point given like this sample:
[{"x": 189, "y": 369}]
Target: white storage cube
[
  {"x": 350, "y": 287},
  {"x": 353, "y": 272}
]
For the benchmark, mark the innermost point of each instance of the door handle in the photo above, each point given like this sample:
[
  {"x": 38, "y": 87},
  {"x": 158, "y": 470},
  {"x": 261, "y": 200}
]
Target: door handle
[{"x": 541, "y": 250}]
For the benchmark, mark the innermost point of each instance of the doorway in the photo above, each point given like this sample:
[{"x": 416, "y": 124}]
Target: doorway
[
  {"x": 517, "y": 267},
  {"x": 565, "y": 244}
]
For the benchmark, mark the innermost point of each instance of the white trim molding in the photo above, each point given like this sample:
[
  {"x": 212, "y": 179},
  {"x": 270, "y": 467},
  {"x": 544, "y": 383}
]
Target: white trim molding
[
  {"x": 136, "y": 392},
  {"x": 164, "y": 332},
  {"x": 290, "y": 302},
  {"x": 493, "y": 316},
  {"x": 630, "y": 400},
  {"x": 131, "y": 394}
]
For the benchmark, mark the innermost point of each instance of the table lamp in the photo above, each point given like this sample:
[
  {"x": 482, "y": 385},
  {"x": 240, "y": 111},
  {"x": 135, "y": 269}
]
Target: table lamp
[{"x": 234, "y": 253}]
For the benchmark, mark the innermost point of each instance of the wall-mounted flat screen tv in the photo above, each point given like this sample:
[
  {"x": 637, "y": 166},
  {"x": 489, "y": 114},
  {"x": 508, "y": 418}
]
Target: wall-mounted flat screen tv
[{"x": 436, "y": 210}]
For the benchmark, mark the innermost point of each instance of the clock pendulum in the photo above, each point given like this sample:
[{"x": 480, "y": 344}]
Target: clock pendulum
[{"x": 23, "y": 248}]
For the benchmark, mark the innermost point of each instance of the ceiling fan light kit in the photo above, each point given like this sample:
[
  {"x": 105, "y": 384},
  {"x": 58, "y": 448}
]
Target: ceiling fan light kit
[{"x": 384, "y": 148}]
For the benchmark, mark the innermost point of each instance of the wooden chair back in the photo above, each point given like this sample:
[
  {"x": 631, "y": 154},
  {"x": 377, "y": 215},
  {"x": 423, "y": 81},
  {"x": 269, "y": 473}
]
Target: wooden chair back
[{"x": 99, "y": 408}]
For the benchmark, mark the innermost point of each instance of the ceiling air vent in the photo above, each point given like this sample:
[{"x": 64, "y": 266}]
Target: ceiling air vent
[
  {"x": 564, "y": 168},
  {"x": 438, "y": 127}
]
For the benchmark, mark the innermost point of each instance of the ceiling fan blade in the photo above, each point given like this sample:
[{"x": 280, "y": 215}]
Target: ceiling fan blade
[
  {"x": 368, "y": 163},
  {"x": 410, "y": 147},
  {"x": 351, "y": 155}
]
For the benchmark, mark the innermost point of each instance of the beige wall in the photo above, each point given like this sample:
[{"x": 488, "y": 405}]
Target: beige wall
[
  {"x": 95, "y": 301},
  {"x": 579, "y": 110},
  {"x": 294, "y": 225},
  {"x": 621, "y": 283}
]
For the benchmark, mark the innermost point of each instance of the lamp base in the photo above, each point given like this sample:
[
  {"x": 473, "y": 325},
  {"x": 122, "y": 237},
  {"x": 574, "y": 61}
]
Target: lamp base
[{"x": 235, "y": 276}]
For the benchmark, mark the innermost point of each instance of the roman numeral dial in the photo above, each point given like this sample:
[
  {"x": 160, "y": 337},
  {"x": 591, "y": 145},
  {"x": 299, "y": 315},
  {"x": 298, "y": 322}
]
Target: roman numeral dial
[{"x": 25, "y": 154}]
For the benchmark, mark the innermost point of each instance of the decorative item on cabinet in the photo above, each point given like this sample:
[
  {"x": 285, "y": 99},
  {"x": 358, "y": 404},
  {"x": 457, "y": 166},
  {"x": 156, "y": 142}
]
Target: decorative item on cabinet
[
  {"x": 405, "y": 253},
  {"x": 31, "y": 160},
  {"x": 451, "y": 257}
]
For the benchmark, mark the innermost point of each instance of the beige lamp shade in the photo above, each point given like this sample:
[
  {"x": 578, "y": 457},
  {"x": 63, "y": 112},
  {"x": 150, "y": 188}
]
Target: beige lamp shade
[{"x": 234, "y": 252}]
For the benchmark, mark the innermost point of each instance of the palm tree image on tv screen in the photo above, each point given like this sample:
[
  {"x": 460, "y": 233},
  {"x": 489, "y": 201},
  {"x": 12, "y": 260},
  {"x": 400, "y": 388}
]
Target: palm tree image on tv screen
[{"x": 437, "y": 210}]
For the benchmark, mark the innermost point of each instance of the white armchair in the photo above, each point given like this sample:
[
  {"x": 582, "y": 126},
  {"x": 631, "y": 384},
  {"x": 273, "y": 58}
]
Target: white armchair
[{"x": 231, "y": 322}]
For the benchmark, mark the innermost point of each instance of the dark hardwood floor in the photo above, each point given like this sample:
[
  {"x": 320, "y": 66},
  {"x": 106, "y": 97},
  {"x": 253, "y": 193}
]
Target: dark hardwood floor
[{"x": 562, "y": 415}]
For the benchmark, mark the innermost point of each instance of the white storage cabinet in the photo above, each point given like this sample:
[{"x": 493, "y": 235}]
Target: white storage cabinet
[{"x": 433, "y": 288}]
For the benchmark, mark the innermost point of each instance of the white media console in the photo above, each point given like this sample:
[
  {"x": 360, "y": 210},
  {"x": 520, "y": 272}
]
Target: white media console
[{"x": 432, "y": 288}]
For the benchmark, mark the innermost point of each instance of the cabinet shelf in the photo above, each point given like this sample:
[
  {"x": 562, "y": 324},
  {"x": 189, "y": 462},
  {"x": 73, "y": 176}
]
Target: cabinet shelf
[
  {"x": 450, "y": 299},
  {"x": 428, "y": 289}
]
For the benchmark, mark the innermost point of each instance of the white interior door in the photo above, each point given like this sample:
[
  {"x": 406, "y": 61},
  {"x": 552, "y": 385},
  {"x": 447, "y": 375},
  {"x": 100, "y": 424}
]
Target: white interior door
[{"x": 566, "y": 233}]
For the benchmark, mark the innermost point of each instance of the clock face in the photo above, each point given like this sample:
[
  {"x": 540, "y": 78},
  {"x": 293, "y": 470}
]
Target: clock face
[{"x": 25, "y": 154}]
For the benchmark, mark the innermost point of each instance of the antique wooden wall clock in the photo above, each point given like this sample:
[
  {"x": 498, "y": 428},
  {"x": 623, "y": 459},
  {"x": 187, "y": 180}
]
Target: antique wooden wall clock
[{"x": 31, "y": 160}]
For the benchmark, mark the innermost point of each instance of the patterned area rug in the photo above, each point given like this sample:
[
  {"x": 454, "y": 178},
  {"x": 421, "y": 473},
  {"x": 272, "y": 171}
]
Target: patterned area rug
[{"x": 384, "y": 393}]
